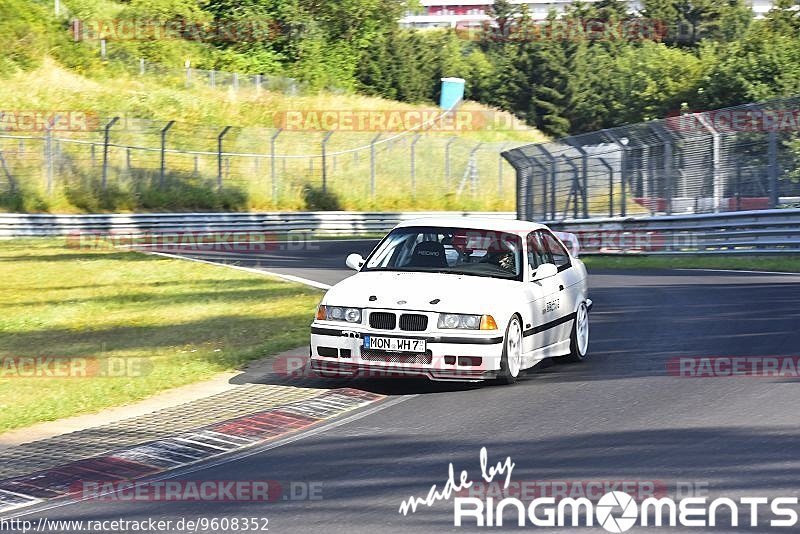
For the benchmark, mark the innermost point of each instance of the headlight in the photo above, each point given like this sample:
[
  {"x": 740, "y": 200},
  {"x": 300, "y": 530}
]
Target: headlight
[
  {"x": 339, "y": 313},
  {"x": 352, "y": 315},
  {"x": 455, "y": 320}
]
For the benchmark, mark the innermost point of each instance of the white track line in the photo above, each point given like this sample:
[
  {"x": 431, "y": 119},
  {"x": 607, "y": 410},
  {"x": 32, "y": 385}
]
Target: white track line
[
  {"x": 289, "y": 277},
  {"x": 226, "y": 243},
  {"x": 739, "y": 271}
]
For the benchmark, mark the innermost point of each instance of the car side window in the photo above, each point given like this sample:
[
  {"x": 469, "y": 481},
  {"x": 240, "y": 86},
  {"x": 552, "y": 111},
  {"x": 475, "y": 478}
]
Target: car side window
[
  {"x": 536, "y": 255},
  {"x": 554, "y": 250}
]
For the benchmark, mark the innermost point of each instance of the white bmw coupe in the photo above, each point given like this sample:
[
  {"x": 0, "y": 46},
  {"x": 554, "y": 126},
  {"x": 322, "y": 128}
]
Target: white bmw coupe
[{"x": 455, "y": 299}]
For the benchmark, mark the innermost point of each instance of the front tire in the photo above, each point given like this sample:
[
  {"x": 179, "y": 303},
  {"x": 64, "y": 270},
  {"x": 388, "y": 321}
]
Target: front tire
[
  {"x": 511, "y": 361},
  {"x": 579, "y": 340}
]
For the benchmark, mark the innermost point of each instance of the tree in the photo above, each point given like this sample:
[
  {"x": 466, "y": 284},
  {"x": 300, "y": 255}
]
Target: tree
[
  {"x": 690, "y": 21},
  {"x": 763, "y": 65},
  {"x": 784, "y": 17},
  {"x": 545, "y": 61},
  {"x": 591, "y": 106},
  {"x": 503, "y": 15},
  {"x": 550, "y": 98}
]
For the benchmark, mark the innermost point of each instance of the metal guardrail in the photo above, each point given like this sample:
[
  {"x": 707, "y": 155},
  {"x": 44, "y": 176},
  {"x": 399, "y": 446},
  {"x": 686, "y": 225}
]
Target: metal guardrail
[
  {"x": 746, "y": 232},
  {"x": 323, "y": 222}
]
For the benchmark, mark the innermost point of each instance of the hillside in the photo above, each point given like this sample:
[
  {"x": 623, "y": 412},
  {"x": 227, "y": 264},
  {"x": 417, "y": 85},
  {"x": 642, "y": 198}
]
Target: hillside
[{"x": 46, "y": 74}]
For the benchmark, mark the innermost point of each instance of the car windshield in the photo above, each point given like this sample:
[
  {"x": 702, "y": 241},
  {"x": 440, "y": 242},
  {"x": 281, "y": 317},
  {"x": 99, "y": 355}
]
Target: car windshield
[{"x": 449, "y": 250}]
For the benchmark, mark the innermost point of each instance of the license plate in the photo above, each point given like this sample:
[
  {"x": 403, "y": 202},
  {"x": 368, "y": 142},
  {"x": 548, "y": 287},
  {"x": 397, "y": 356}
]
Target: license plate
[{"x": 394, "y": 344}]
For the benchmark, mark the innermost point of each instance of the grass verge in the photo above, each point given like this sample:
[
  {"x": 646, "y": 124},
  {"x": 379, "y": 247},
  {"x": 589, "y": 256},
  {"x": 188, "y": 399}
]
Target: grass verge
[
  {"x": 441, "y": 177},
  {"x": 780, "y": 263},
  {"x": 169, "y": 322}
]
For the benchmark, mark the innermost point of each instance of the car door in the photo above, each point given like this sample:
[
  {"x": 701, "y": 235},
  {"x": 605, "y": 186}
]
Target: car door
[
  {"x": 568, "y": 287},
  {"x": 540, "y": 295}
]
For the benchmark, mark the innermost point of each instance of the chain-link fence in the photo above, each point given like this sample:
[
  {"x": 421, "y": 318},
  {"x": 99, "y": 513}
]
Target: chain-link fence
[
  {"x": 267, "y": 168},
  {"x": 190, "y": 76},
  {"x": 739, "y": 158},
  {"x": 215, "y": 79}
]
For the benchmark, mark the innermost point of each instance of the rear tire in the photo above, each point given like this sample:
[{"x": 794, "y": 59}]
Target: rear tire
[
  {"x": 579, "y": 340},
  {"x": 511, "y": 360}
]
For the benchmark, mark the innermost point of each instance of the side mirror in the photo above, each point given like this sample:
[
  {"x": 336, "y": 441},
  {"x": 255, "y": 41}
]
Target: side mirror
[
  {"x": 354, "y": 261},
  {"x": 546, "y": 270}
]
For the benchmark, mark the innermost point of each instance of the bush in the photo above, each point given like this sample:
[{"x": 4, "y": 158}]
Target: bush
[
  {"x": 22, "y": 201},
  {"x": 318, "y": 199}
]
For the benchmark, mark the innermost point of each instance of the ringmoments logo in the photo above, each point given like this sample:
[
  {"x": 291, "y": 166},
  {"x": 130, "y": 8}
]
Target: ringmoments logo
[{"x": 615, "y": 511}]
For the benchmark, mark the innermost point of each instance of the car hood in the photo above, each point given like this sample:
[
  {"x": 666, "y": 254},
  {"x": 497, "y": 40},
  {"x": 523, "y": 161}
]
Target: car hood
[{"x": 416, "y": 291}]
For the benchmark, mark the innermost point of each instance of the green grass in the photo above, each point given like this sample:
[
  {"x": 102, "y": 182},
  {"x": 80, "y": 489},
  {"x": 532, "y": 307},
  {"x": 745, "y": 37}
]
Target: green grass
[
  {"x": 781, "y": 263},
  {"x": 183, "y": 321},
  {"x": 202, "y": 112},
  {"x": 43, "y": 68}
]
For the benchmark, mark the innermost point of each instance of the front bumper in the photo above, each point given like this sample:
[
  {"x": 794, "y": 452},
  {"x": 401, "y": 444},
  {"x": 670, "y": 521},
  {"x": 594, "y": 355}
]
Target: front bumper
[{"x": 337, "y": 350}]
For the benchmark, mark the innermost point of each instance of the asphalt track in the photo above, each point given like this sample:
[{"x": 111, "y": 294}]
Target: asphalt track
[{"x": 617, "y": 417}]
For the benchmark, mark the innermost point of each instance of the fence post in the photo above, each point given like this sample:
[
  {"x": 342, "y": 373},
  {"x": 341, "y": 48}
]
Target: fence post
[
  {"x": 447, "y": 169},
  {"x": 414, "y": 165},
  {"x": 12, "y": 182},
  {"x": 106, "y": 136},
  {"x": 534, "y": 160},
  {"x": 48, "y": 150},
  {"x": 141, "y": 66},
  {"x": 623, "y": 162},
  {"x": 258, "y": 84},
  {"x": 219, "y": 155},
  {"x": 719, "y": 186},
  {"x": 188, "y": 66},
  {"x": 772, "y": 169},
  {"x": 553, "y": 176},
  {"x": 164, "y": 152},
  {"x": 324, "y": 160},
  {"x": 577, "y": 183},
  {"x": 738, "y": 188},
  {"x": 372, "y": 165},
  {"x": 573, "y": 192},
  {"x": 667, "y": 140},
  {"x": 473, "y": 178},
  {"x": 272, "y": 173},
  {"x": 610, "y": 170},
  {"x": 500, "y": 161}
]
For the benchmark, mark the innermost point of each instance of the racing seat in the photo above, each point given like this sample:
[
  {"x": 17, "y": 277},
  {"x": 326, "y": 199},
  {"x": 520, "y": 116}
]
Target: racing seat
[{"x": 428, "y": 254}]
